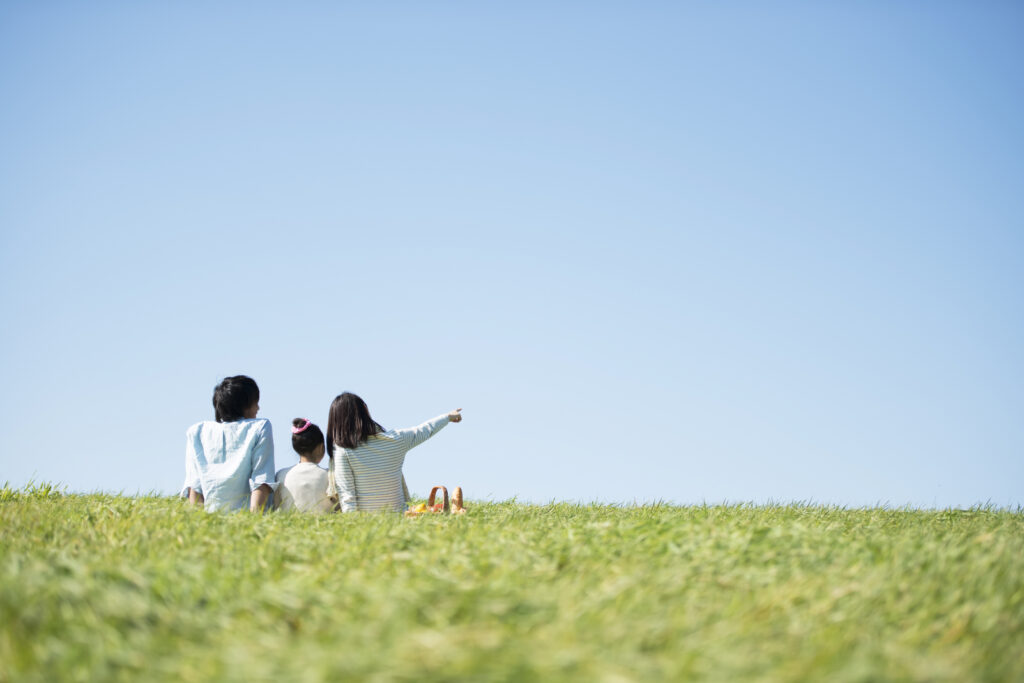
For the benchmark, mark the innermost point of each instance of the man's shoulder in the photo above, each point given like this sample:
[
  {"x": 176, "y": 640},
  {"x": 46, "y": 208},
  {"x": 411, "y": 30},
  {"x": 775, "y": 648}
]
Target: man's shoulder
[
  {"x": 199, "y": 427},
  {"x": 255, "y": 425}
]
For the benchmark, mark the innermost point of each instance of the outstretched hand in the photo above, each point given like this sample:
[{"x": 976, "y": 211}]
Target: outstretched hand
[{"x": 455, "y": 415}]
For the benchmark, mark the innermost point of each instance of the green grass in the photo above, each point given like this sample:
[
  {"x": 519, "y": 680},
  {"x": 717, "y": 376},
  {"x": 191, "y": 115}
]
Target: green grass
[{"x": 98, "y": 587}]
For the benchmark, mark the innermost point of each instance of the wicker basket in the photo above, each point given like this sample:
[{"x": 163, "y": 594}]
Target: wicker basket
[{"x": 446, "y": 506}]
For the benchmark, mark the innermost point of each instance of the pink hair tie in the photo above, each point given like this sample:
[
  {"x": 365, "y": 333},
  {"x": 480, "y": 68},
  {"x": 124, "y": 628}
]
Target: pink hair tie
[{"x": 299, "y": 430}]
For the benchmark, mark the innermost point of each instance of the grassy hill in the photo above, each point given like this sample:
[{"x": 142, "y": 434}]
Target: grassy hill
[{"x": 97, "y": 588}]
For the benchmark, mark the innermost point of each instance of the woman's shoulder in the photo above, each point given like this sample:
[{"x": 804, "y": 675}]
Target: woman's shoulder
[{"x": 386, "y": 435}]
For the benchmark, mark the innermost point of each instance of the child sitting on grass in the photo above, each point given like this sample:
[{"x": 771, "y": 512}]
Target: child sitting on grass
[{"x": 303, "y": 487}]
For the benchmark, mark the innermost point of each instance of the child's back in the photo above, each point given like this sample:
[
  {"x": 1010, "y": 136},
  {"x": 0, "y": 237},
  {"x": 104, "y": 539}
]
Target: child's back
[{"x": 303, "y": 487}]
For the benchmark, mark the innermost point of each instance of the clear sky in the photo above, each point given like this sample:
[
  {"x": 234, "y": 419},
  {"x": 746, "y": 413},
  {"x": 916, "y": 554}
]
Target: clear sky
[{"x": 656, "y": 251}]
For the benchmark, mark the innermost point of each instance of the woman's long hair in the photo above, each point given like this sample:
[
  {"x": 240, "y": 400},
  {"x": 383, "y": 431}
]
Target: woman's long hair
[{"x": 349, "y": 423}]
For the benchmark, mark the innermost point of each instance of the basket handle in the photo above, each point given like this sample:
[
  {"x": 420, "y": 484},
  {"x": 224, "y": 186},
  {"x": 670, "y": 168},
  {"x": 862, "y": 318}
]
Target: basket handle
[{"x": 433, "y": 494}]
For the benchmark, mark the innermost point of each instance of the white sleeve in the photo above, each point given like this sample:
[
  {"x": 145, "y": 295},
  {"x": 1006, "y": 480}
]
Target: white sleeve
[
  {"x": 347, "y": 493},
  {"x": 414, "y": 436},
  {"x": 275, "y": 499},
  {"x": 192, "y": 479}
]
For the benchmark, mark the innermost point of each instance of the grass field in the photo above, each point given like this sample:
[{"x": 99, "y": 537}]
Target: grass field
[{"x": 98, "y": 588}]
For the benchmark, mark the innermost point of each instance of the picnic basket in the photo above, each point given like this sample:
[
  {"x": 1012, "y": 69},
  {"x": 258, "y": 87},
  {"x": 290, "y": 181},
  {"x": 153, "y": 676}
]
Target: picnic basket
[{"x": 448, "y": 505}]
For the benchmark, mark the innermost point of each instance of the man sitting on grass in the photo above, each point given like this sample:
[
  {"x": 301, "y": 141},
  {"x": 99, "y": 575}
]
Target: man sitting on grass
[{"x": 229, "y": 463}]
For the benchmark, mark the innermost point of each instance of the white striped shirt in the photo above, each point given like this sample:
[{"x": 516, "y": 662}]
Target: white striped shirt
[{"x": 369, "y": 476}]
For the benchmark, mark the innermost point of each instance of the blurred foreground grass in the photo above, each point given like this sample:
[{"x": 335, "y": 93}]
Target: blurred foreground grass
[{"x": 98, "y": 587}]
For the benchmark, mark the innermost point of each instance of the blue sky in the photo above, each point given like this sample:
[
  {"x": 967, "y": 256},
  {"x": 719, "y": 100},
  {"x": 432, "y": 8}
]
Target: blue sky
[{"x": 655, "y": 251}]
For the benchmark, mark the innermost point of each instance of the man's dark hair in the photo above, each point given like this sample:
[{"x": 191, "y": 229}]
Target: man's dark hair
[
  {"x": 233, "y": 396},
  {"x": 349, "y": 423}
]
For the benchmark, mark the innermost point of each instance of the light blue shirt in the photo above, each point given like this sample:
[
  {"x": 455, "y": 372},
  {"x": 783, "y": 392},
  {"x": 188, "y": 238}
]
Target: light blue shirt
[{"x": 227, "y": 461}]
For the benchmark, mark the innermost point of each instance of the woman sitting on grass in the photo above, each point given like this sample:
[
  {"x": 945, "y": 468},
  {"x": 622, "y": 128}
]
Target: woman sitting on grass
[
  {"x": 303, "y": 487},
  {"x": 366, "y": 459},
  {"x": 230, "y": 462}
]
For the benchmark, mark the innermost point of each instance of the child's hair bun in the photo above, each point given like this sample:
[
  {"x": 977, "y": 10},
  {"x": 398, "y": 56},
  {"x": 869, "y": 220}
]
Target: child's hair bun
[{"x": 306, "y": 436}]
